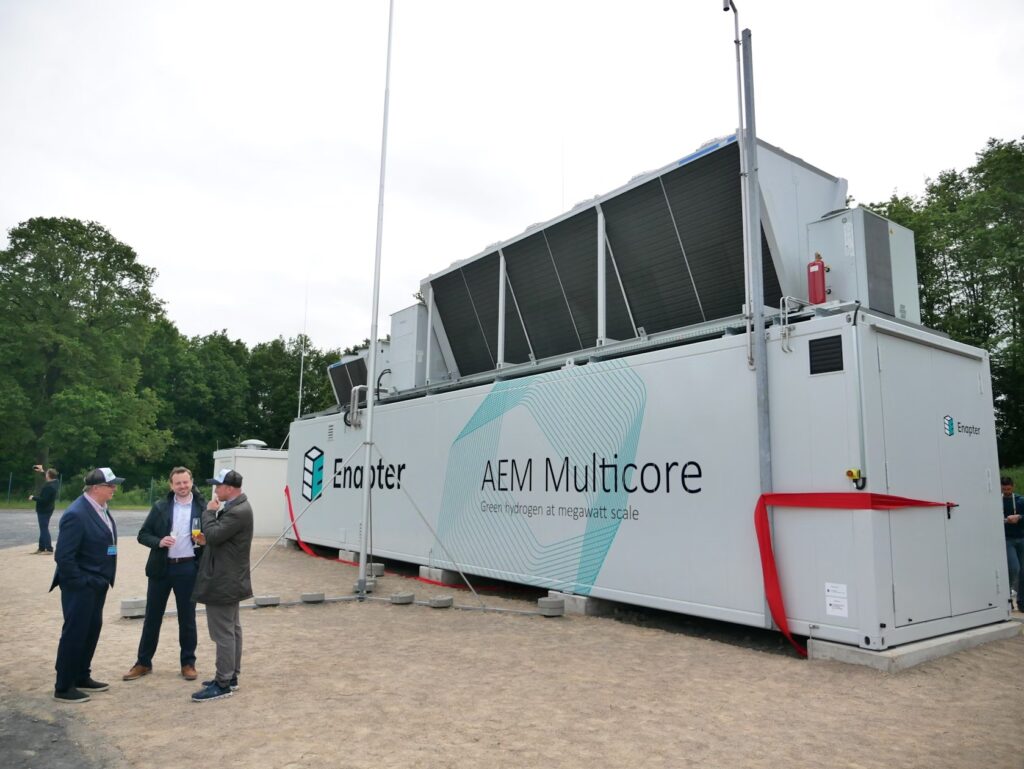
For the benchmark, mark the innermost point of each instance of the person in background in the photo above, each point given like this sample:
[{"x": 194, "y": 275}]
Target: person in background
[
  {"x": 223, "y": 580},
  {"x": 45, "y": 501},
  {"x": 1013, "y": 528},
  {"x": 172, "y": 566},
  {"x": 86, "y": 564}
]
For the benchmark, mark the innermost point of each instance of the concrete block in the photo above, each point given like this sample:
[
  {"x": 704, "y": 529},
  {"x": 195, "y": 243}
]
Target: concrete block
[
  {"x": 402, "y": 599},
  {"x": 377, "y": 569},
  {"x": 133, "y": 612},
  {"x": 551, "y": 607},
  {"x": 371, "y": 585},
  {"x": 267, "y": 600},
  {"x": 133, "y": 603},
  {"x": 908, "y": 655},
  {"x": 585, "y": 605},
  {"x": 425, "y": 572},
  {"x": 443, "y": 576},
  {"x": 348, "y": 555},
  {"x": 312, "y": 597},
  {"x": 442, "y": 602}
]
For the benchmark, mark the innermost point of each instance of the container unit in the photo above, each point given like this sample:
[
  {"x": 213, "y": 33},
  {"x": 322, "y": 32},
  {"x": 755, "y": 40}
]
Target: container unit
[
  {"x": 579, "y": 414},
  {"x": 264, "y": 474}
]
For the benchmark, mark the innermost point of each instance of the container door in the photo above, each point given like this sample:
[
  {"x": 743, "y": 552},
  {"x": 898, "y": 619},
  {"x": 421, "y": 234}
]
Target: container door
[
  {"x": 968, "y": 467},
  {"x": 921, "y": 579}
]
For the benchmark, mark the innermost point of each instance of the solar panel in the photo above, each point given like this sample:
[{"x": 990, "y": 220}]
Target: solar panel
[{"x": 674, "y": 258}]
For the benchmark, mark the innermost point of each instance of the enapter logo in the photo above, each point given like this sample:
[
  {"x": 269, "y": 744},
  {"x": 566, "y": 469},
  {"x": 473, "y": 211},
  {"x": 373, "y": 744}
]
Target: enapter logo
[
  {"x": 951, "y": 427},
  {"x": 312, "y": 474}
]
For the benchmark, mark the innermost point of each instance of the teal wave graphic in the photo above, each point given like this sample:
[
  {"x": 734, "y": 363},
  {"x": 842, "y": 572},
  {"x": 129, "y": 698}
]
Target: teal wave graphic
[{"x": 581, "y": 411}]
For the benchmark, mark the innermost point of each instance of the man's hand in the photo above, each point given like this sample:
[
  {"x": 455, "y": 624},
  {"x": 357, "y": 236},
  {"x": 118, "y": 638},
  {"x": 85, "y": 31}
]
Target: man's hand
[
  {"x": 167, "y": 541},
  {"x": 1015, "y": 518},
  {"x": 214, "y": 504},
  {"x": 199, "y": 539}
]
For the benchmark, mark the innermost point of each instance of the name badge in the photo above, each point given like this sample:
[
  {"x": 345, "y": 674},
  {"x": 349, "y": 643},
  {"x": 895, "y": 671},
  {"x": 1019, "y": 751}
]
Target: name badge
[{"x": 111, "y": 549}]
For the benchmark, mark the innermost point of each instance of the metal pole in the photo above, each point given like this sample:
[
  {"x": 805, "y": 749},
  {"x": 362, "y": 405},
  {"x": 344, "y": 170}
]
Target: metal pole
[
  {"x": 501, "y": 308},
  {"x": 10, "y": 480},
  {"x": 430, "y": 332},
  {"x": 302, "y": 351},
  {"x": 602, "y": 285},
  {"x": 747, "y": 310},
  {"x": 760, "y": 347},
  {"x": 371, "y": 392}
]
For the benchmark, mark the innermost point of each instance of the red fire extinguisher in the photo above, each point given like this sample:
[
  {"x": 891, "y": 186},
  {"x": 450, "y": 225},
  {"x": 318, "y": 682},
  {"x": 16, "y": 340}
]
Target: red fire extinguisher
[{"x": 816, "y": 291}]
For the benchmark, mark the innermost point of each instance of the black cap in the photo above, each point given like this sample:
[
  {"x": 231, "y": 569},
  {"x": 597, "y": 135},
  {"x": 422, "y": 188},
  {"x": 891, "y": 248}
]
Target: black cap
[
  {"x": 100, "y": 476},
  {"x": 228, "y": 477}
]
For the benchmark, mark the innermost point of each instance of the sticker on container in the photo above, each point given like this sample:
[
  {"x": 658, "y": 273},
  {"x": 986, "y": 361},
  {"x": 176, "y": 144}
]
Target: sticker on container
[{"x": 836, "y": 604}]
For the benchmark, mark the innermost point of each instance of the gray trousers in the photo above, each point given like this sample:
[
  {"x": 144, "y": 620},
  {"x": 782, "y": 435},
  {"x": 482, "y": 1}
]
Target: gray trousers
[{"x": 226, "y": 634}]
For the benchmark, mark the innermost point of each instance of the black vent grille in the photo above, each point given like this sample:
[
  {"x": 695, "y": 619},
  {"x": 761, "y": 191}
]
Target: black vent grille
[{"x": 826, "y": 354}]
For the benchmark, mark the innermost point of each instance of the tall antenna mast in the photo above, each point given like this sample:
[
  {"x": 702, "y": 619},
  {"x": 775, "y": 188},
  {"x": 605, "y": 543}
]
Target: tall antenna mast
[{"x": 371, "y": 373}]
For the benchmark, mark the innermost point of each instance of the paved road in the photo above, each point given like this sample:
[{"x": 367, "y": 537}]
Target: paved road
[{"x": 19, "y": 527}]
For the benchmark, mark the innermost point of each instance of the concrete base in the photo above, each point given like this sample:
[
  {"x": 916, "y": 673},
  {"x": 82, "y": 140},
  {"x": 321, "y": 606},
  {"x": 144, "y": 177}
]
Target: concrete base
[
  {"x": 348, "y": 555},
  {"x": 585, "y": 605},
  {"x": 443, "y": 576},
  {"x": 267, "y": 600},
  {"x": 908, "y": 655}
]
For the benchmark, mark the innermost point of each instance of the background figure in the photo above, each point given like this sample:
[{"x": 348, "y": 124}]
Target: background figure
[
  {"x": 45, "y": 501},
  {"x": 223, "y": 579},
  {"x": 86, "y": 563},
  {"x": 173, "y": 561},
  {"x": 1013, "y": 528}
]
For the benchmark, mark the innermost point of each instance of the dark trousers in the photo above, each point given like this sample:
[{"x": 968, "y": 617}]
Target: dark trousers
[
  {"x": 45, "y": 543},
  {"x": 83, "y": 620},
  {"x": 181, "y": 578}
]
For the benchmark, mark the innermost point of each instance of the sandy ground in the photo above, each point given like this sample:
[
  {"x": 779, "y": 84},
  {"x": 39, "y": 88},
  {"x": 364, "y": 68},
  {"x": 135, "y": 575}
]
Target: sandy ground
[{"x": 376, "y": 685}]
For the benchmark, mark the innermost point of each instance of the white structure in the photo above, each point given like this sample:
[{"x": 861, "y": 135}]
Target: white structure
[
  {"x": 573, "y": 408},
  {"x": 263, "y": 479}
]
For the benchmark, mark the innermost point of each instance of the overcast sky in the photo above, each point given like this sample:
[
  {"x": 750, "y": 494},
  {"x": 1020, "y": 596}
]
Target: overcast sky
[{"x": 236, "y": 145}]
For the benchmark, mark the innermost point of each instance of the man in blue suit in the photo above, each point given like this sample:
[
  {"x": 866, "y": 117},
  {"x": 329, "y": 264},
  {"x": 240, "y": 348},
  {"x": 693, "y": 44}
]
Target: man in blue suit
[{"x": 86, "y": 562}]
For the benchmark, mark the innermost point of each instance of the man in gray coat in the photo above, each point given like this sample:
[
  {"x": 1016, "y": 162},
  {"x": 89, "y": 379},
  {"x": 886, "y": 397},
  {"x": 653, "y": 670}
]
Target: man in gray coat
[{"x": 223, "y": 578}]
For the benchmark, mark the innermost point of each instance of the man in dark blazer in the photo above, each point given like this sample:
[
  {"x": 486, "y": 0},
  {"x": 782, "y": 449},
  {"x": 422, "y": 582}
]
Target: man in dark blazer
[
  {"x": 173, "y": 561},
  {"x": 86, "y": 559}
]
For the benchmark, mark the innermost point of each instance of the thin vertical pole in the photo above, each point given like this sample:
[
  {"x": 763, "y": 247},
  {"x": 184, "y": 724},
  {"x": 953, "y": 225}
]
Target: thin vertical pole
[
  {"x": 501, "y": 308},
  {"x": 602, "y": 283},
  {"x": 430, "y": 332},
  {"x": 371, "y": 374},
  {"x": 760, "y": 346},
  {"x": 10, "y": 481}
]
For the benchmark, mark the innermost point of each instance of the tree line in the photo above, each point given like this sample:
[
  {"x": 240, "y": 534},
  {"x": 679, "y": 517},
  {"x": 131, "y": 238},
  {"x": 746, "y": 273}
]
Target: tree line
[
  {"x": 969, "y": 233},
  {"x": 92, "y": 372}
]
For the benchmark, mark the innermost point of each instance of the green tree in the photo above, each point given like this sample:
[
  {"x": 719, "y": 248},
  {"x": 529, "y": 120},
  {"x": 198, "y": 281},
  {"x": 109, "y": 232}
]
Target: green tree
[
  {"x": 274, "y": 385},
  {"x": 969, "y": 231},
  {"x": 76, "y": 308}
]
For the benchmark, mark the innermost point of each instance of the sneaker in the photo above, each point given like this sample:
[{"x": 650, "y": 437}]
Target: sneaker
[
  {"x": 71, "y": 695},
  {"x": 90, "y": 685},
  {"x": 137, "y": 671},
  {"x": 233, "y": 683},
  {"x": 211, "y": 692}
]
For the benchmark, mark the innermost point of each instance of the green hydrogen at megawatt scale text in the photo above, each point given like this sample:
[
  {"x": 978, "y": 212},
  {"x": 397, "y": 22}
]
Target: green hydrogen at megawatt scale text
[{"x": 598, "y": 475}]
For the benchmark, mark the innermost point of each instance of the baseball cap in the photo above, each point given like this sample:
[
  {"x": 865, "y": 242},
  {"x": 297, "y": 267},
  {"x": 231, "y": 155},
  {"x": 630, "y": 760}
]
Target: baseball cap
[
  {"x": 228, "y": 477},
  {"x": 100, "y": 476}
]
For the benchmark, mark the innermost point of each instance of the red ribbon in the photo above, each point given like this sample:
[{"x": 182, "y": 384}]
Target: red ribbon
[
  {"x": 837, "y": 501},
  {"x": 302, "y": 545}
]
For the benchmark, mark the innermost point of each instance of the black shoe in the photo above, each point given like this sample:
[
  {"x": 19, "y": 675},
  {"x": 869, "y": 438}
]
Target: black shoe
[
  {"x": 70, "y": 695},
  {"x": 212, "y": 692},
  {"x": 233, "y": 684},
  {"x": 92, "y": 686}
]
